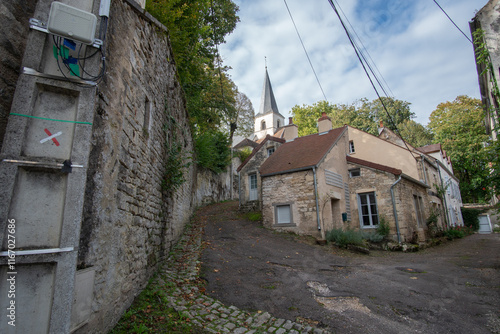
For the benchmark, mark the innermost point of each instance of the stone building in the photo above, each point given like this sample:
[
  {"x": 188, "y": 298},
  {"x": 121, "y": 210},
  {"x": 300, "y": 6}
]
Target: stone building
[
  {"x": 304, "y": 183},
  {"x": 250, "y": 187}
]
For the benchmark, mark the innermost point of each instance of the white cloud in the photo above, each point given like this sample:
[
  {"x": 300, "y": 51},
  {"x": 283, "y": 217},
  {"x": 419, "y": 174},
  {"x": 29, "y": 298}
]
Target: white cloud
[{"x": 421, "y": 55}]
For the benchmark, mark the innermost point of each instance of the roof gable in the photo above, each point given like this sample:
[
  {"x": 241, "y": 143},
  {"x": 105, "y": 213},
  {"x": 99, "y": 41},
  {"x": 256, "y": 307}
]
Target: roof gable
[
  {"x": 373, "y": 165},
  {"x": 301, "y": 153},
  {"x": 256, "y": 149}
]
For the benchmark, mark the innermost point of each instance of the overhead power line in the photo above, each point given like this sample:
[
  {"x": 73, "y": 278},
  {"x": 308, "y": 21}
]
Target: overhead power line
[
  {"x": 452, "y": 21},
  {"x": 309, "y": 59},
  {"x": 368, "y": 75}
]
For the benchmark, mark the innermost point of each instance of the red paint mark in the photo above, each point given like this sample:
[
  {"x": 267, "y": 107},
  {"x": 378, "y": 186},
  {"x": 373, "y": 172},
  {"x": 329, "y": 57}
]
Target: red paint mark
[{"x": 53, "y": 139}]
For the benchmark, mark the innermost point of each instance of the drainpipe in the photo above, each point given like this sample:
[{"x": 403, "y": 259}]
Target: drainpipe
[
  {"x": 316, "y": 197},
  {"x": 239, "y": 188},
  {"x": 394, "y": 208}
]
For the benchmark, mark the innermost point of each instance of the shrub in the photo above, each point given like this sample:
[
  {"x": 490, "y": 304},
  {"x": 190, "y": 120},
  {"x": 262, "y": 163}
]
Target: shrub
[
  {"x": 471, "y": 218},
  {"x": 454, "y": 233},
  {"x": 254, "y": 216},
  {"x": 243, "y": 154},
  {"x": 212, "y": 150},
  {"x": 374, "y": 237},
  {"x": 383, "y": 228},
  {"x": 344, "y": 238}
]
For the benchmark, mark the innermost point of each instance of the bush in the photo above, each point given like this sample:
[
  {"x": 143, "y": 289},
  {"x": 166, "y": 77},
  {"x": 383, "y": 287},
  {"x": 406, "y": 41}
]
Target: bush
[
  {"x": 344, "y": 238},
  {"x": 212, "y": 150},
  {"x": 454, "y": 233},
  {"x": 471, "y": 218},
  {"x": 383, "y": 228},
  {"x": 243, "y": 154},
  {"x": 374, "y": 237}
]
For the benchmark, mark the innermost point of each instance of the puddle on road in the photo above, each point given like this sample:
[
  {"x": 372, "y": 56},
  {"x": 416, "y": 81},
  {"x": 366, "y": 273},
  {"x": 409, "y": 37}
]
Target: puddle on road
[{"x": 336, "y": 304}]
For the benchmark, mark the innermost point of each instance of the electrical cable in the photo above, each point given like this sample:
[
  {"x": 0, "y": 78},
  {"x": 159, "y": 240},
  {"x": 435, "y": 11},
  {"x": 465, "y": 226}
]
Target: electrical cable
[
  {"x": 368, "y": 75},
  {"x": 453, "y": 21},
  {"x": 307, "y": 55},
  {"x": 366, "y": 51}
]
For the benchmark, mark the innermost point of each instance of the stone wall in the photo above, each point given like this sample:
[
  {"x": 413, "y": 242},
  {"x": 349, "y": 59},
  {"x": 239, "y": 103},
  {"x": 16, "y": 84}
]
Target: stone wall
[
  {"x": 380, "y": 182},
  {"x": 14, "y": 24},
  {"x": 130, "y": 221},
  {"x": 297, "y": 190}
]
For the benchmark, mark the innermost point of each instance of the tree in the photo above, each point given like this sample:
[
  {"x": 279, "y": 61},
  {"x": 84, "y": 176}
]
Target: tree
[
  {"x": 415, "y": 133},
  {"x": 458, "y": 126},
  {"x": 361, "y": 114},
  {"x": 246, "y": 113}
]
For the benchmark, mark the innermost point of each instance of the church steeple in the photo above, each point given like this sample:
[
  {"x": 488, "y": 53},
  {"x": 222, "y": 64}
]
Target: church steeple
[
  {"x": 267, "y": 100},
  {"x": 269, "y": 119}
]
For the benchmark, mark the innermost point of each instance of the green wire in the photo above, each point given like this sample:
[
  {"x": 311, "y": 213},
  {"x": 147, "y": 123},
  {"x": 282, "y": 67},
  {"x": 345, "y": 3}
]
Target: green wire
[{"x": 50, "y": 119}]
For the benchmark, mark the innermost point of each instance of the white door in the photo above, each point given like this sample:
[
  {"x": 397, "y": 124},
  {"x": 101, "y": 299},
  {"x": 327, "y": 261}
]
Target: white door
[
  {"x": 253, "y": 187},
  {"x": 484, "y": 224}
]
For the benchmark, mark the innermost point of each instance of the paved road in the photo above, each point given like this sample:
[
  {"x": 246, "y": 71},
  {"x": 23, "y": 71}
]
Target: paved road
[{"x": 451, "y": 288}]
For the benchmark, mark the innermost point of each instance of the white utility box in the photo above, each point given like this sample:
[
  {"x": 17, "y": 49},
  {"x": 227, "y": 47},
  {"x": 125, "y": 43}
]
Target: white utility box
[{"x": 72, "y": 23}]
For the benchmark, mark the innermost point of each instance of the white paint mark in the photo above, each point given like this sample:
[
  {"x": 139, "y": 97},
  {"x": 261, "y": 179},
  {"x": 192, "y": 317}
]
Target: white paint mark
[{"x": 50, "y": 137}]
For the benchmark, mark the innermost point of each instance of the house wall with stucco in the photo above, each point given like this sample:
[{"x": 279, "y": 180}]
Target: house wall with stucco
[{"x": 371, "y": 148}]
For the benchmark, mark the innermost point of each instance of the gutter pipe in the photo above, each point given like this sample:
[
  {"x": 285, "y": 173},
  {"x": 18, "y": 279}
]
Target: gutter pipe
[
  {"x": 316, "y": 197},
  {"x": 394, "y": 208}
]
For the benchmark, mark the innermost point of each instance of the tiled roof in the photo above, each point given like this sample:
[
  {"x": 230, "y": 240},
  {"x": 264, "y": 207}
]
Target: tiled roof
[
  {"x": 430, "y": 148},
  {"x": 255, "y": 150},
  {"x": 303, "y": 152},
  {"x": 373, "y": 165}
]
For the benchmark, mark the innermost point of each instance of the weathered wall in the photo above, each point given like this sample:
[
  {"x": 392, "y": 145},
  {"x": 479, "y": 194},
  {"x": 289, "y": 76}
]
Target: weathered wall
[
  {"x": 380, "y": 182},
  {"x": 297, "y": 190},
  {"x": 14, "y": 25},
  {"x": 130, "y": 222}
]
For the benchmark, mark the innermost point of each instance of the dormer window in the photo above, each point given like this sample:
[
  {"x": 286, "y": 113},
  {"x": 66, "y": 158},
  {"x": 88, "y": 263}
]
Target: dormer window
[
  {"x": 270, "y": 151},
  {"x": 263, "y": 125}
]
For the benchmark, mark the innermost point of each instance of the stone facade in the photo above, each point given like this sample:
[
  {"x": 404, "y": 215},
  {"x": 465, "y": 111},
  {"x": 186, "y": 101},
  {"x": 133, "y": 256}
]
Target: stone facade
[
  {"x": 251, "y": 167},
  {"x": 130, "y": 221},
  {"x": 316, "y": 203}
]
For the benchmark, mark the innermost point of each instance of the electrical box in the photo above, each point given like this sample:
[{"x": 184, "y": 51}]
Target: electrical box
[{"x": 72, "y": 23}]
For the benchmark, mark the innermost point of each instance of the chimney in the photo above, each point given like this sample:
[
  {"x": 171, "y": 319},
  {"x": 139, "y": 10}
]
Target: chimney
[
  {"x": 324, "y": 123},
  {"x": 290, "y": 120}
]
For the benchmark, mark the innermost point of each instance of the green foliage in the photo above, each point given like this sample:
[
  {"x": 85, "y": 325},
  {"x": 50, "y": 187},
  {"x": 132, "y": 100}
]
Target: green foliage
[
  {"x": 458, "y": 126},
  {"x": 383, "y": 228},
  {"x": 415, "y": 133},
  {"x": 243, "y": 154},
  {"x": 150, "y": 313},
  {"x": 213, "y": 150},
  {"x": 454, "y": 233},
  {"x": 361, "y": 114},
  {"x": 344, "y": 238},
  {"x": 471, "y": 218},
  {"x": 177, "y": 159},
  {"x": 254, "y": 216}
]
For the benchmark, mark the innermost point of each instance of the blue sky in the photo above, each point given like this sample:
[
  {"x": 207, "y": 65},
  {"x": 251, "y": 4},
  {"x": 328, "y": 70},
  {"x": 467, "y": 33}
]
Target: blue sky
[{"x": 423, "y": 58}]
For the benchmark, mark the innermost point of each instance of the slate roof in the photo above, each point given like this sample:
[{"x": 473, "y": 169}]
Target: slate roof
[
  {"x": 301, "y": 153},
  {"x": 268, "y": 102},
  {"x": 256, "y": 149},
  {"x": 373, "y": 165}
]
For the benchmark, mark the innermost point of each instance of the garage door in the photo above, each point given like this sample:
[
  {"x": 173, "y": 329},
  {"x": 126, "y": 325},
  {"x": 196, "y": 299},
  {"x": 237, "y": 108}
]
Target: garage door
[{"x": 484, "y": 224}]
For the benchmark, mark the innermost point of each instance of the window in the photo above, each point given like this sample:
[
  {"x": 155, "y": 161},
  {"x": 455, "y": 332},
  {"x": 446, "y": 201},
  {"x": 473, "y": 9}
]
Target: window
[
  {"x": 351, "y": 147},
  {"x": 283, "y": 214},
  {"x": 417, "y": 201},
  {"x": 253, "y": 187},
  {"x": 270, "y": 151},
  {"x": 278, "y": 124},
  {"x": 354, "y": 172},
  {"x": 263, "y": 125},
  {"x": 368, "y": 214}
]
